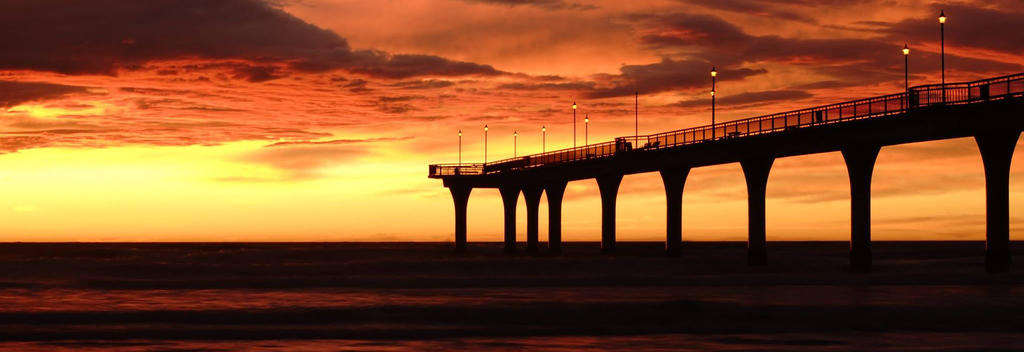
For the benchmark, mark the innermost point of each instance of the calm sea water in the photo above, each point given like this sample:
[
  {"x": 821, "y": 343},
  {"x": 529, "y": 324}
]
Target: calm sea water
[{"x": 398, "y": 297}]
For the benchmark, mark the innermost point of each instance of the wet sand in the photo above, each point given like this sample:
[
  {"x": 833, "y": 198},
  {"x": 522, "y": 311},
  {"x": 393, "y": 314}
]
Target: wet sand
[{"x": 401, "y": 296}]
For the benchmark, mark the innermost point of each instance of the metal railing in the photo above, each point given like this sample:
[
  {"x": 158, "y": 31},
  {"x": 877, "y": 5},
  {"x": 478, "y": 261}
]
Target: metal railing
[
  {"x": 1005, "y": 87},
  {"x": 438, "y": 170}
]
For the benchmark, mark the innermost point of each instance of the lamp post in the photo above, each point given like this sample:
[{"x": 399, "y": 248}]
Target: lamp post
[
  {"x": 485, "y": 144},
  {"x": 906, "y": 70},
  {"x": 586, "y": 129},
  {"x": 460, "y": 147},
  {"x": 713, "y": 75},
  {"x": 636, "y": 118},
  {"x": 942, "y": 40},
  {"x": 574, "y": 124},
  {"x": 515, "y": 140},
  {"x": 543, "y": 139}
]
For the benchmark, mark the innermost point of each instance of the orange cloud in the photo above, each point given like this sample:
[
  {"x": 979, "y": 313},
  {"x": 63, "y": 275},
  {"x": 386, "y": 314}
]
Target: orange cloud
[{"x": 334, "y": 103}]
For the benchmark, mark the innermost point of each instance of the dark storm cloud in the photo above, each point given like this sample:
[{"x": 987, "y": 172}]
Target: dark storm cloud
[
  {"x": 1008, "y": 5},
  {"x": 104, "y": 36},
  {"x": 357, "y": 85},
  {"x": 760, "y": 8},
  {"x": 257, "y": 73},
  {"x": 750, "y": 98},
  {"x": 399, "y": 108},
  {"x": 682, "y": 30},
  {"x": 423, "y": 84},
  {"x": 827, "y": 84},
  {"x": 548, "y": 86},
  {"x": 726, "y": 43},
  {"x": 665, "y": 76},
  {"x": 548, "y": 4},
  {"x": 13, "y": 93},
  {"x": 400, "y": 98},
  {"x": 860, "y": 60},
  {"x": 995, "y": 28},
  {"x": 794, "y": 10},
  {"x": 381, "y": 64}
]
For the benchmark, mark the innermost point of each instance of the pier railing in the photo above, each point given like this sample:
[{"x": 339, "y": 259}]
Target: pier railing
[{"x": 1010, "y": 86}]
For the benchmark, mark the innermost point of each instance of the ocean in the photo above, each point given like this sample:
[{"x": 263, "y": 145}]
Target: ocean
[{"x": 422, "y": 297}]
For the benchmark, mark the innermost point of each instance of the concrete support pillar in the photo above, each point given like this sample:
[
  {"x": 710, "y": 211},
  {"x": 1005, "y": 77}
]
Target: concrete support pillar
[
  {"x": 860, "y": 163},
  {"x": 674, "y": 180},
  {"x": 609, "y": 186},
  {"x": 532, "y": 195},
  {"x": 756, "y": 170},
  {"x": 460, "y": 194},
  {"x": 510, "y": 196},
  {"x": 555, "y": 191},
  {"x": 996, "y": 153}
]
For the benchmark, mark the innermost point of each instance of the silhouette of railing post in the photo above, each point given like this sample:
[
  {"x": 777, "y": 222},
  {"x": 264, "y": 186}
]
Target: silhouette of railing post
[
  {"x": 755, "y": 171},
  {"x": 609, "y": 187},
  {"x": 460, "y": 194},
  {"x": 555, "y": 190},
  {"x": 674, "y": 180},
  {"x": 509, "y": 197},
  {"x": 996, "y": 153},
  {"x": 860, "y": 163},
  {"x": 532, "y": 195}
]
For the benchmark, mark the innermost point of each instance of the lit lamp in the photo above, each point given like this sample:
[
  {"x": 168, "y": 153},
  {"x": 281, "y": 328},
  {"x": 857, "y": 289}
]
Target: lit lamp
[
  {"x": 515, "y": 139},
  {"x": 485, "y": 144},
  {"x": 543, "y": 139},
  {"x": 586, "y": 129},
  {"x": 906, "y": 70},
  {"x": 460, "y": 147},
  {"x": 714, "y": 74},
  {"x": 942, "y": 39},
  {"x": 574, "y": 124}
]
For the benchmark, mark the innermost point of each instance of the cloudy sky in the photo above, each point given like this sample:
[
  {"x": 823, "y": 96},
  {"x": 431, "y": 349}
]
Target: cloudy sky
[{"x": 312, "y": 120}]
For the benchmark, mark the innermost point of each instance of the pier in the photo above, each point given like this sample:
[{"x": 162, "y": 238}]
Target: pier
[{"x": 989, "y": 110}]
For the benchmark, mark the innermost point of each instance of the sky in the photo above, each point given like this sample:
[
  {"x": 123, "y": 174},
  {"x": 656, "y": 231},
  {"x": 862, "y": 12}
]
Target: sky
[{"x": 315, "y": 120}]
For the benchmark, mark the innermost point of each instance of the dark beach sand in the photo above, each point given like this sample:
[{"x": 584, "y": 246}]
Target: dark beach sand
[{"x": 402, "y": 296}]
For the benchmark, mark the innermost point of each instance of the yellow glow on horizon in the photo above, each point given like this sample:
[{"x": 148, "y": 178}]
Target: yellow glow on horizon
[
  {"x": 207, "y": 193},
  {"x": 219, "y": 193},
  {"x": 41, "y": 111}
]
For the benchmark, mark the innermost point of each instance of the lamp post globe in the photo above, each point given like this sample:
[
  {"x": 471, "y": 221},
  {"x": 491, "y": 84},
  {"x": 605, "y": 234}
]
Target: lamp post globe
[
  {"x": 586, "y": 129},
  {"x": 543, "y": 138},
  {"x": 906, "y": 71},
  {"x": 714, "y": 74},
  {"x": 574, "y": 124},
  {"x": 942, "y": 41}
]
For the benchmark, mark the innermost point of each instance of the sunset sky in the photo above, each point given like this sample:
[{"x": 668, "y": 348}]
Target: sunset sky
[{"x": 315, "y": 120}]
